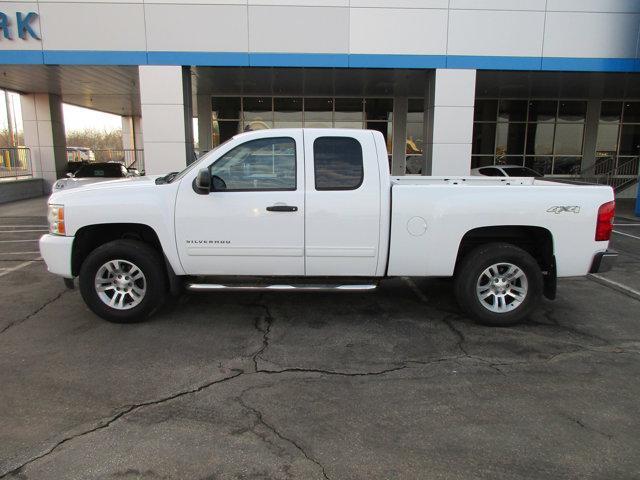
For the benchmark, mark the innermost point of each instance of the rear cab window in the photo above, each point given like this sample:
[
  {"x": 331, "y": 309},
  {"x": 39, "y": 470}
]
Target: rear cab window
[{"x": 337, "y": 163}]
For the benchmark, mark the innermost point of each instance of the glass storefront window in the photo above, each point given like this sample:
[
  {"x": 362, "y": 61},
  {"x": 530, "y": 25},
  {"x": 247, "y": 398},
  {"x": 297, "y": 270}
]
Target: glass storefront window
[
  {"x": 484, "y": 139},
  {"x": 415, "y": 127},
  {"x": 610, "y": 112},
  {"x": 258, "y": 109},
  {"x": 541, "y": 165},
  {"x": 485, "y": 111},
  {"x": 631, "y": 112},
  {"x": 512, "y": 111},
  {"x": 568, "y": 139},
  {"x": 378, "y": 109},
  {"x": 349, "y": 111},
  {"x": 318, "y": 112},
  {"x": 543, "y": 111},
  {"x": 287, "y": 112},
  {"x": 607, "y": 140},
  {"x": 226, "y": 108},
  {"x": 510, "y": 139},
  {"x": 572, "y": 111},
  {"x": 630, "y": 140},
  {"x": 540, "y": 138},
  {"x": 566, "y": 165}
]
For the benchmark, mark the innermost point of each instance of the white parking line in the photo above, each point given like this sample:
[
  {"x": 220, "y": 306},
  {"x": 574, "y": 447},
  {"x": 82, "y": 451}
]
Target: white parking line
[
  {"x": 18, "y": 253},
  {"x": 616, "y": 286},
  {"x": 17, "y": 267},
  {"x": 19, "y": 241},
  {"x": 626, "y": 234},
  {"x": 31, "y": 226}
]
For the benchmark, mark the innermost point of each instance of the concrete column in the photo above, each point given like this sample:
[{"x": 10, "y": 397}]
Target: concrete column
[
  {"x": 204, "y": 123},
  {"x": 165, "y": 97},
  {"x": 591, "y": 134},
  {"x": 44, "y": 135},
  {"x": 137, "y": 133},
  {"x": 448, "y": 120},
  {"x": 128, "y": 140},
  {"x": 399, "y": 148}
]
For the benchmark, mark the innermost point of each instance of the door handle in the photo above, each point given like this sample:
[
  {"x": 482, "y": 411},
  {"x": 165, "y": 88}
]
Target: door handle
[{"x": 281, "y": 208}]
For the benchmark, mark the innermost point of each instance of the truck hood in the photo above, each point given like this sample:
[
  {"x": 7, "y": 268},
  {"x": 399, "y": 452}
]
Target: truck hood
[{"x": 121, "y": 185}]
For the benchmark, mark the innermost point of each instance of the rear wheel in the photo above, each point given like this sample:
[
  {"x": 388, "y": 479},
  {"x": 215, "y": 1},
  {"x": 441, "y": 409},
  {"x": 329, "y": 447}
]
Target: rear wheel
[
  {"x": 123, "y": 281},
  {"x": 498, "y": 284}
]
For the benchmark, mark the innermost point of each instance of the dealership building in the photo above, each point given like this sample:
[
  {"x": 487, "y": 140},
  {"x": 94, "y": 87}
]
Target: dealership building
[{"x": 452, "y": 84}]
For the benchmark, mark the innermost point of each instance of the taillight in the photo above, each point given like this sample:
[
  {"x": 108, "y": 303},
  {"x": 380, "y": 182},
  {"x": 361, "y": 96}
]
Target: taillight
[{"x": 604, "y": 226}]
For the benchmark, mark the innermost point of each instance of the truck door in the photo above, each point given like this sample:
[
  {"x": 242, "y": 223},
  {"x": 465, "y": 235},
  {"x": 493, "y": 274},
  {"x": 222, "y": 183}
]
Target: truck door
[
  {"x": 252, "y": 222},
  {"x": 342, "y": 201}
]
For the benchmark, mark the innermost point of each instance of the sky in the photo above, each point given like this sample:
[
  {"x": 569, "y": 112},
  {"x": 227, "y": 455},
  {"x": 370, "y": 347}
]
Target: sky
[{"x": 78, "y": 118}]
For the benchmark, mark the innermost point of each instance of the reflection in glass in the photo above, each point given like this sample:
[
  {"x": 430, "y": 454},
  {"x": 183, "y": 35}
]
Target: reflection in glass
[
  {"x": 318, "y": 110},
  {"x": 337, "y": 163},
  {"x": 607, "y": 139},
  {"x": 287, "y": 112},
  {"x": 223, "y": 130},
  {"x": 568, "y": 139},
  {"x": 349, "y": 110},
  {"x": 378, "y": 109},
  {"x": 386, "y": 129},
  {"x": 610, "y": 112},
  {"x": 630, "y": 140},
  {"x": 510, "y": 139},
  {"x": 512, "y": 111},
  {"x": 572, "y": 111},
  {"x": 226, "y": 108},
  {"x": 566, "y": 165},
  {"x": 631, "y": 112},
  {"x": 539, "y": 164},
  {"x": 540, "y": 138},
  {"x": 485, "y": 111},
  {"x": 481, "y": 161},
  {"x": 257, "y": 108},
  {"x": 543, "y": 111},
  {"x": 484, "y": 139}
]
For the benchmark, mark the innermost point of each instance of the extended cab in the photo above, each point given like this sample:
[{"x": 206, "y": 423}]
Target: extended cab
[{"x": 315, "y": 209}]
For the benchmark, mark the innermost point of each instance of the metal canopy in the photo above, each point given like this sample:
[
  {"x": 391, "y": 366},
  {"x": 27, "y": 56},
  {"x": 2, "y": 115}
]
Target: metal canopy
[{"x": 112, "y": 89}]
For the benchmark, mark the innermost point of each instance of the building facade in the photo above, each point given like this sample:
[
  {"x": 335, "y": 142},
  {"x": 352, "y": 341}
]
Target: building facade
[{"x": 451, "y": 84}]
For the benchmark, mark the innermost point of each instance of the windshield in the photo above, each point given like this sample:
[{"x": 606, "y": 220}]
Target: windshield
[
  {"x": 521, "y": 172},
  {"x": 110, "y": 170}
]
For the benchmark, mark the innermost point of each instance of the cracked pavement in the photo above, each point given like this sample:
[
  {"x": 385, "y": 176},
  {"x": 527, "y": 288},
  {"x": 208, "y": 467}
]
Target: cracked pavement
[{"x": 392, "y": 384}]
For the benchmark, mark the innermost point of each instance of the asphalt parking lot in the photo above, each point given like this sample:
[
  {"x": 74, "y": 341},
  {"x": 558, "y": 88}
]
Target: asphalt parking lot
[{"x": 391, "y": 384}]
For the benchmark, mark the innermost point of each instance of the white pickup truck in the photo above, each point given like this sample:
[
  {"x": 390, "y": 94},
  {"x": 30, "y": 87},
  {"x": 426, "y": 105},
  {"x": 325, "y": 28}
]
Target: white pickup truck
[{"x": 316, "y": 209}]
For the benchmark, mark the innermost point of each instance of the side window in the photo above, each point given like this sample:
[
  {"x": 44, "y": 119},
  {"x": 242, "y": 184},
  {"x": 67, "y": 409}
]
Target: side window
[
  {"x": 263, "y": 164},
  {"x": 337, "y": 163}
]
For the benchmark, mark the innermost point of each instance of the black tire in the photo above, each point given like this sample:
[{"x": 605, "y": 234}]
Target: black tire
[
  {"x": 148, "y": 260},
  {"x": 471, "y": 269}
]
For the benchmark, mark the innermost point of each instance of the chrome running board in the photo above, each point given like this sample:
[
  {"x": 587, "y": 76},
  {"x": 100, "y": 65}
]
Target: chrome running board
[{"x": 216, "y": 287}]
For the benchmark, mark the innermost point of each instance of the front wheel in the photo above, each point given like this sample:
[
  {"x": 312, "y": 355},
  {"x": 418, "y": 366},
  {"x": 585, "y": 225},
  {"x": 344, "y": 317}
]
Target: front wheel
[
  {"x": 123, "y": 281},
  {"x": 498, "y": 284}
]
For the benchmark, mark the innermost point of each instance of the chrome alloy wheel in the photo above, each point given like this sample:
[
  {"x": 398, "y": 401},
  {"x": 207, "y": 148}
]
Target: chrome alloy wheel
[
  {"x": 120, "y": 284},
  {"x": 502, "y": 287}
]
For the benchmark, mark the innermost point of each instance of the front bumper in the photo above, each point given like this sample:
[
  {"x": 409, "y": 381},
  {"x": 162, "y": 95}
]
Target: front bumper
[
  {"x": 603, "y": 261},
  {"x": 56, "y": 253}
]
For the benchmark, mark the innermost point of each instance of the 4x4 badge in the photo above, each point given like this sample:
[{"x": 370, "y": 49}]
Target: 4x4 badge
[{"x": 562, "y": 209}]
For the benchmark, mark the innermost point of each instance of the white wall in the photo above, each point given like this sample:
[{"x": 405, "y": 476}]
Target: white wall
[{"x": 458, "y": 28}]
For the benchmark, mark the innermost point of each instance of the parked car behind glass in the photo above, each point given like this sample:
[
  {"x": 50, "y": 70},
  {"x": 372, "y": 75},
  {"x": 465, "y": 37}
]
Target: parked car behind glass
[{"x": 505, "y": 171}]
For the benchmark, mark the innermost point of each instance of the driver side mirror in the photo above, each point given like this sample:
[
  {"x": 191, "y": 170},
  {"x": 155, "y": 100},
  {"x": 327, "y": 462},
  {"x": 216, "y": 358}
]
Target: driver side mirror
[{"x": 203, "y": 181}]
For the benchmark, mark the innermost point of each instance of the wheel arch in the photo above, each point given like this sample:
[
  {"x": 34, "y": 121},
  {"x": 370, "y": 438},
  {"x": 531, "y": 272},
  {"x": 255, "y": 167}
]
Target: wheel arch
[
  {"x": 90, "y": 237},
  {"x": 537, "y": 241}
]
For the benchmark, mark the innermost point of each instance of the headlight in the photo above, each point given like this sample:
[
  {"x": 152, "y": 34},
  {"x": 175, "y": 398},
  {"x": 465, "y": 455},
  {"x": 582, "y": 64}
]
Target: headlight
[{"x": 55, "y": 215}]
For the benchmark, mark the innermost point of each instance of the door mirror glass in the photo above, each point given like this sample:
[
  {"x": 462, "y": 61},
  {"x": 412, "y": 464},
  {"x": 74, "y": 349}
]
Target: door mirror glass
[{"x": 203, "y": 181}]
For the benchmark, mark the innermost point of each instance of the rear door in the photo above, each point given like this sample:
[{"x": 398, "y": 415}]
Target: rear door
[{"x": 342, "y": 202}]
